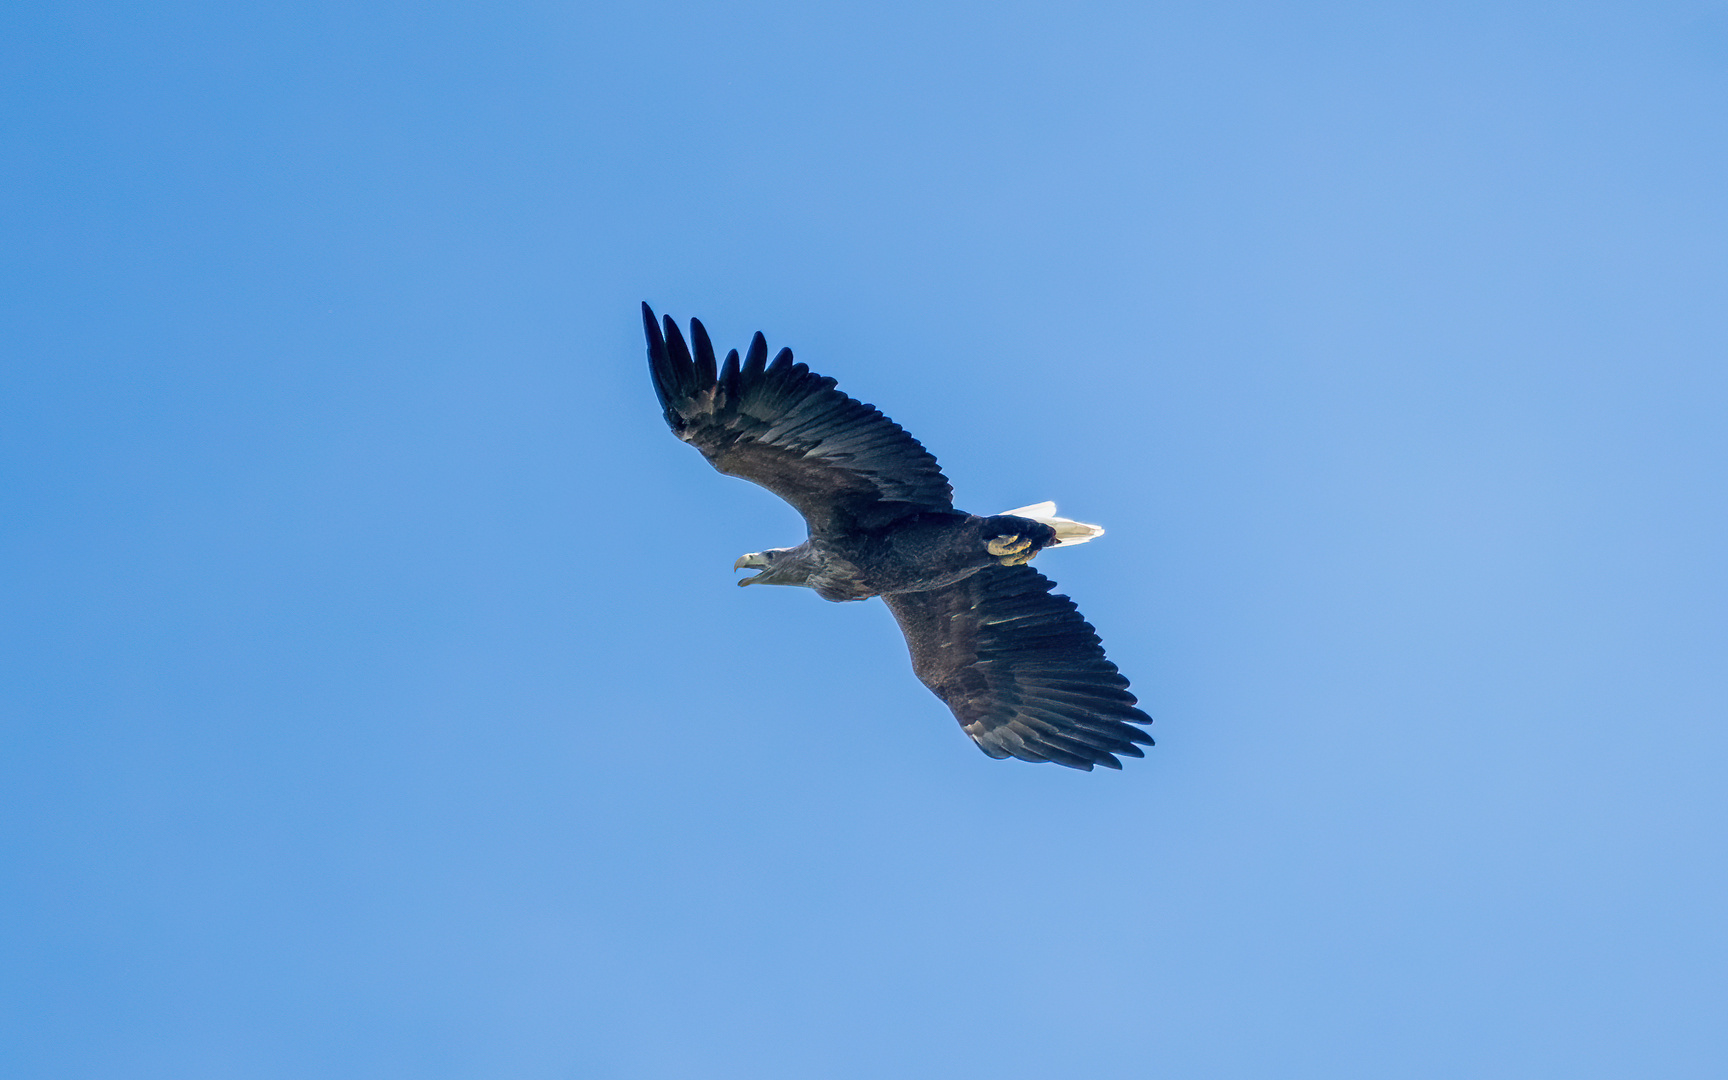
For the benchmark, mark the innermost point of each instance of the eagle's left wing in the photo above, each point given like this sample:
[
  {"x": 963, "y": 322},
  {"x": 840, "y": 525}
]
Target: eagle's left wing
[
  {"x": 838, "y": 461},
  {"x": 1024, "y": 673}
]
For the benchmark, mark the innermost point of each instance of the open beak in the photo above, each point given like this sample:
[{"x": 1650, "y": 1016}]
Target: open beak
[{"x": 753, "y": 561}]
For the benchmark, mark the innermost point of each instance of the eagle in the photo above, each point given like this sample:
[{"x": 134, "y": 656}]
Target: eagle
[{"x": 1023, "y": 672}]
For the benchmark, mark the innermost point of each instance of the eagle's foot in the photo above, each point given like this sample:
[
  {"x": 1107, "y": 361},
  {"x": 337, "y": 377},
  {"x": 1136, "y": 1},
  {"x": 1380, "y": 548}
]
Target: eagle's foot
[
  {"x": 1008, "y": 545},
  {"x": 1020, "y": 559}
]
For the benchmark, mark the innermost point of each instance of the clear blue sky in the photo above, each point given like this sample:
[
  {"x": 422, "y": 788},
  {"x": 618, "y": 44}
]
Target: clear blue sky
[{"x": 376, "y": 698}]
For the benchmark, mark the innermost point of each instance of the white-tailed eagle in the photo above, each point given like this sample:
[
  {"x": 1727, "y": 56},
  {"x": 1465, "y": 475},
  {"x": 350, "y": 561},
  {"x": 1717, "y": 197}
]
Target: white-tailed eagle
[{"x": 1025, "y": 675}]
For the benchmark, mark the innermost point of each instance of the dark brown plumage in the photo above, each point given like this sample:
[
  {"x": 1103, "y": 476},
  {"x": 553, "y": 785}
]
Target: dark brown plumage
[{"x": 1024, "y": 674}]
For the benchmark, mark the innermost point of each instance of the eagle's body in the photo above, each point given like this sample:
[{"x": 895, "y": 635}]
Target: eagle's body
[
  {"x": 1025, "y": 675},
  {"x": 918, "y": 554}
]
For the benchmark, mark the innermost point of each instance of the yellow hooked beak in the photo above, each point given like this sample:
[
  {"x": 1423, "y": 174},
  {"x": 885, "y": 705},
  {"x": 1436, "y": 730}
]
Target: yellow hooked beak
[{"x": 753, "y": 561}]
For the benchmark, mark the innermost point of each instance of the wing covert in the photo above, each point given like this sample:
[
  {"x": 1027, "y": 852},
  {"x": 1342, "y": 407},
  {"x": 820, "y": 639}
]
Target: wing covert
[
  {"x": 839, "y": 462},
  {"x": 1023, "y": 672}
]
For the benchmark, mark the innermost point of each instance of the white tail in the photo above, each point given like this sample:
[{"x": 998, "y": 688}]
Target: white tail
[{"x": 1067, "y": 531}]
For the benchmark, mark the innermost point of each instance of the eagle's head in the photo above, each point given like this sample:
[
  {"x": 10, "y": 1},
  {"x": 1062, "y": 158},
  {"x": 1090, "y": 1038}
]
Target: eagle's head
[{"x": 779, "y": 566}]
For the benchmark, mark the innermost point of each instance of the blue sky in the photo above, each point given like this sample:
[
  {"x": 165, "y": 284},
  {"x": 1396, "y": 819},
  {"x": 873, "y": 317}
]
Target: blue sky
[{"x": 377, "y": 701}]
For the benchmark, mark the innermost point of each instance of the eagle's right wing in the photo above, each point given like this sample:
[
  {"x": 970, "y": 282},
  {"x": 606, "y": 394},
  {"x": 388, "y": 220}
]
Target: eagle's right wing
[
  {"x": 839, "y": 462},
  {"x": 1024, "y": 673}
]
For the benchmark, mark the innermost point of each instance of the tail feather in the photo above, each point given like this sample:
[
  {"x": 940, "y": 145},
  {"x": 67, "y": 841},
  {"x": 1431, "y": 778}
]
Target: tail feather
[{"x": 1068, "y": 532}]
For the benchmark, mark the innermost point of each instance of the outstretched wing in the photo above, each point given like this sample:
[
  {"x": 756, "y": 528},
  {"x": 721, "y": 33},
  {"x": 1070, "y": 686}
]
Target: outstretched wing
[
  {"x": 1024, "y": 673},
  {"x": 841, "y": 463}
]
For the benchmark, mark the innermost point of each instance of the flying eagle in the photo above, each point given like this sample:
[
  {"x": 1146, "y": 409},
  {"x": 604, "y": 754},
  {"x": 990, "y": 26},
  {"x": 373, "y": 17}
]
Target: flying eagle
[{"x": 1024, "y": 674}]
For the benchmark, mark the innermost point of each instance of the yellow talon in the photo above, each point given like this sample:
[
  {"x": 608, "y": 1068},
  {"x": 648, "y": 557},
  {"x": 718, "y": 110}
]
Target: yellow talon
[
  {"x": 1008, "y": 545},
  {"x": 1019, "y": 559}
]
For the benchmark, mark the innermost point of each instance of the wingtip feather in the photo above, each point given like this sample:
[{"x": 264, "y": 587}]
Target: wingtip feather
[
  {"x": 660, "y": 364},
  {"x": 757, "y": 358},
  {"x": 683, "y": 367},
  {"x": 706, "y": 369}
]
